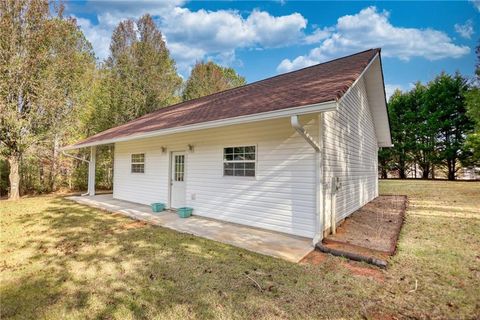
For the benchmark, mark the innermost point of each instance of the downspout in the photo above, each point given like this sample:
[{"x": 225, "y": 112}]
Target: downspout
[
  {"x": 81, "y": 159},
  {"x": 319, "y": 225}
]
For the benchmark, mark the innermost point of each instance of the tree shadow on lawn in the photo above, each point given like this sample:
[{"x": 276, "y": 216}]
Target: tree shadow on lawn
[
  {"x": 96, "y": 265},
  {"x": 82, "y": 244}
]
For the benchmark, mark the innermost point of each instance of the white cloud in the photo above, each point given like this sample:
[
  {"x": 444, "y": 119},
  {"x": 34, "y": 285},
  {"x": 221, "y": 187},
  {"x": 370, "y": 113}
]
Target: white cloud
[
  {"x": 318, "y": 35},
  {"x": 370, "y": 29},
  {"x": 476, "y": 4},
  {"x": 98, "y": 37},
  {"x": 118, "y": 10},
  {"x": 112, "y": 13},
  {"x": 184, "y": 52},
  {"x": 465, "y": 30},
  {"x": 273, "y": 31},
  {"x": 197, "y": 35},
  {"x": 220, "y": 33}
]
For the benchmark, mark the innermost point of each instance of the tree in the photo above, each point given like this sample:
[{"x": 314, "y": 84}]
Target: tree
[
  {"x": 445, "y": 97},
  {"x": 423, "y": 128},
  {"x": 384, "y": 162},
  {"x": 472, "y": 99},
  {"x": 401, "y": 121},
  {"x": 138, "y": 77},
  {"x": 208, "y": 78},
  {"x": 429, "y": 125},
  {"x": 44, "y": 56},
  {"x": 472, "y": 150},
  {"x": 472, "y": 143}
]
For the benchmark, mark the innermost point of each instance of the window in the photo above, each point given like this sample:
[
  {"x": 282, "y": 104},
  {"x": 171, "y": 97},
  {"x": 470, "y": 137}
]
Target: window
[
  {"x": 138, "y": 163},
  {"x": 179, "y": 167},
  {"x": 239, "y": 161}
]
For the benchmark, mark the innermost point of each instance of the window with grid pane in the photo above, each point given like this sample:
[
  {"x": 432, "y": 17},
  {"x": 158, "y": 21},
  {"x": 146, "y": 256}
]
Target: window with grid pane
[
  {"x": 179, "y": 167},
  {"x": 138, "y": 163},
  {"x": 239, "y": 161}
]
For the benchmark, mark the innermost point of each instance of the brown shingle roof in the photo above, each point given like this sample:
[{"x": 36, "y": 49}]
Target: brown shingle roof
[{"x": 316, "y": 84}]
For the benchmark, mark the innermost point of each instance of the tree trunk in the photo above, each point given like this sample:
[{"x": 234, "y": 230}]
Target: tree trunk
[
  {"x": 451, "y": 175},
  {"x": 401, "y": 169},
  {"x": 425, "y": 171},
  {"x": 54, "y": 165},
  {"x": 14, "y": 162},
  {"x": 384, "y": 173},
  {"x": 451, "y": 170}
]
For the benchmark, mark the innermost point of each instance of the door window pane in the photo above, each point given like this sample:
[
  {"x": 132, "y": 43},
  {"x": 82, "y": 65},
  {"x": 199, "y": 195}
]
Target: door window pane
[{"x": 179, "y": 171}]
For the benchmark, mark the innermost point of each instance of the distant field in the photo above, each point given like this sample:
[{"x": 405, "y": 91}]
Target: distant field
[{"x": 60, "y": 260}]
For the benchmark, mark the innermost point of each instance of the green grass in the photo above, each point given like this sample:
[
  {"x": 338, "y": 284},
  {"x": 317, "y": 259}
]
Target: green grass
[{"x": 60, "y": 260}]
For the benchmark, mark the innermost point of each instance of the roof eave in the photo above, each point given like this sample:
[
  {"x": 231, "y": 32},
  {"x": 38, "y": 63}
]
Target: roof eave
[
  {"x": 389, "y": 142},
  {"x": 313, "y": 108}
]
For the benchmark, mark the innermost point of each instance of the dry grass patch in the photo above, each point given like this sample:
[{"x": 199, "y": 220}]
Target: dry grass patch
[{"x": 61, "y": 260}]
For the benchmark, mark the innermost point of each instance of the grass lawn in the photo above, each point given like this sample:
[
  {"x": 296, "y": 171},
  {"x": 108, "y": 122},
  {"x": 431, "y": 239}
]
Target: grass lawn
[{"x": 63, "y": 260}]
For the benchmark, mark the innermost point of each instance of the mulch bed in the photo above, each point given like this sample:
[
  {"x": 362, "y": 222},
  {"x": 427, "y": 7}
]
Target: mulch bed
[{"x": 370, "y": 234}]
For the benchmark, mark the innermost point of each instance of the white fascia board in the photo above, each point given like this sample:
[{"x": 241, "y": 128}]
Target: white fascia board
[{"x": 313, "y": 108}]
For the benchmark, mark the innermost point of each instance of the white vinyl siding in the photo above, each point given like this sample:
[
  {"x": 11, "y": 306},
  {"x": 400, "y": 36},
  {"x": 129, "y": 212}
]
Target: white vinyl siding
[
  {"x": 280, "y": 197},
  {"x": 350, "y": 153}
]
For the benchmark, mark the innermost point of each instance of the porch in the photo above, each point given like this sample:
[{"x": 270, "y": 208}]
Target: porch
[{"x": 280, "y": 245}]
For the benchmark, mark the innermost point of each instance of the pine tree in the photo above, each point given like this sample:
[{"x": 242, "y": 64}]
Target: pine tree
[
  {"x": 401, "y": 119},
  {"x": 472, "y": 98},
  {"x": 445, "y": 97}
]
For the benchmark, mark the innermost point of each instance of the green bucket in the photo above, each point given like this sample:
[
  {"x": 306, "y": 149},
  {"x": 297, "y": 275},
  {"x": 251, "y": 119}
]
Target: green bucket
[
  {"x": 184, "y": 212},
  {"x": 158, "y": 207}
]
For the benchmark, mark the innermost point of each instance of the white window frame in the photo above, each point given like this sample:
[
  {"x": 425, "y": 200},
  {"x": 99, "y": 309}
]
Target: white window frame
[
  {"x": 137, "y": 162},
  {"x": 240, "y": 161}
]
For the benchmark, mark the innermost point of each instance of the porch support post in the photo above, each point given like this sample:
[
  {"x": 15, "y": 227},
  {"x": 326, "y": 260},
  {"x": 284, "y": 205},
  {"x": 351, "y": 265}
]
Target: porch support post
[
  {"x": 91, "y": 171},
  {"x": 320, "y": 182}
]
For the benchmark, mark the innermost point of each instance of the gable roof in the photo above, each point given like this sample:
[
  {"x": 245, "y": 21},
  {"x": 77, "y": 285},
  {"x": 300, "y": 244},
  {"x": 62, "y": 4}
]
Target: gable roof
[{"x": 311, "y": 86}]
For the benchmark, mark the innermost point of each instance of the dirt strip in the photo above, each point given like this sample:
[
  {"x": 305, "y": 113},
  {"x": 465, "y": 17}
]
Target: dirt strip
[{"x": 371, "y": 233}]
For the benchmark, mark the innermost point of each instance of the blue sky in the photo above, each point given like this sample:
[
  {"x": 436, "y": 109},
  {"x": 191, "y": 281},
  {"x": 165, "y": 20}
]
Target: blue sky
[{"x": 262, "y": 39}]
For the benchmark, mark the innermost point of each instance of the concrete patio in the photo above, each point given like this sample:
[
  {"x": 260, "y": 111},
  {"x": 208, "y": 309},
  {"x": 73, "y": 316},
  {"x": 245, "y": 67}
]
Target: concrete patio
[{"x": 266, "y": 242}]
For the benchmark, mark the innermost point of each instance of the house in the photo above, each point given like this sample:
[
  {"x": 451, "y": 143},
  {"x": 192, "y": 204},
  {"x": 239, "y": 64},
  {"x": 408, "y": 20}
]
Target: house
[{"x": 295, "y": 153}]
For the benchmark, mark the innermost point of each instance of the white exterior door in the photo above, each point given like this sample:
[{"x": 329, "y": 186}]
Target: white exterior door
[{"x": 177, "y": 182}]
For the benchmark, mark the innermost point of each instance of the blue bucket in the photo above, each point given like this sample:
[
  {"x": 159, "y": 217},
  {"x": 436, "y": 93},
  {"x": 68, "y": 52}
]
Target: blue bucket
[
  {"x": 158, "y": 207},
  {"x": 184, "y": 212}
]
